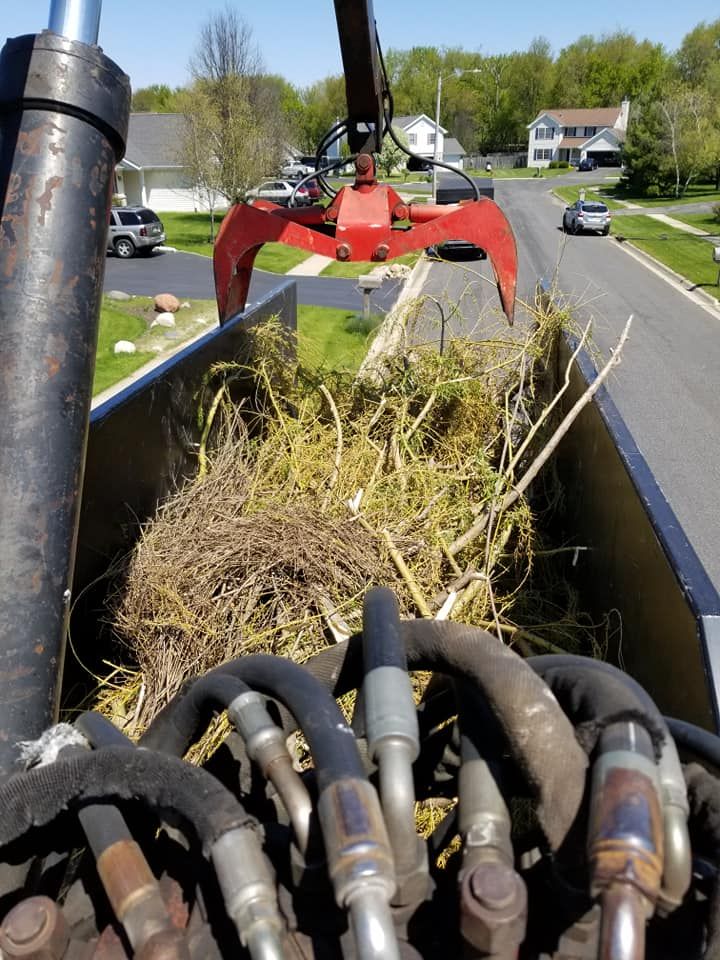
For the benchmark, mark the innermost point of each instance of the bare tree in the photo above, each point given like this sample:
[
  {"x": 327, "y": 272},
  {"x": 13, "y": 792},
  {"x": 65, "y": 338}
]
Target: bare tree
[{"x": 234, "y": 121}]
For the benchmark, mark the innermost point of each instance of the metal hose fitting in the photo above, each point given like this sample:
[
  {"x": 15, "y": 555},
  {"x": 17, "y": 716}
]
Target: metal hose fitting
[
  {"x": 677, "y": 865},
  {"x": 359, "y": 862},
  {"x": 625, "y": 842},
  {"x": 249, "y": 893},
  {"x": 265, "y": 744},
  {"x": 393, "y": 739},
  {"x": 493, "y": 897}
]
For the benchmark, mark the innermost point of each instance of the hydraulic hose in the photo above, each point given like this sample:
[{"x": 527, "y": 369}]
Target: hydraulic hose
[
  {"x": 165, "y": 784},
  {"x": 595, "y": 694},
  {"x": 393, "y": 738},
  {"x": 101, "y": 732},
  {"x": 701, "y": 743},
  {"x": 540, "y": 736},
  {"x": 333, "y": 747},
  {"x": 357, "y": 847}
]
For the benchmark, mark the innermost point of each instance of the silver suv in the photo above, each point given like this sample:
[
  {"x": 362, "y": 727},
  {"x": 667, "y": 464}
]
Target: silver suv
[
  {"x": 586, "y": 215},
  {"x": 134, "y": 230}
]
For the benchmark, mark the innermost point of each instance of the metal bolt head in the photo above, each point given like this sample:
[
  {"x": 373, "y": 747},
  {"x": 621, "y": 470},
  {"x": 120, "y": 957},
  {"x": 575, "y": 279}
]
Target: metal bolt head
[
  {"x": 400, "y": 211},
  {"x": 493, "y": 885},
  {"x": 343, "y": 251},
  {"x": 34, "y": 927},
  {"x": 363, "y": 163},
  {"x": 381, "y": 252},
  {"x": 331, "y": 213}
]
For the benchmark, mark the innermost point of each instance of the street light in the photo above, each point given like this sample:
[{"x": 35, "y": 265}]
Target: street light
[{"x": 436, "y": 153}]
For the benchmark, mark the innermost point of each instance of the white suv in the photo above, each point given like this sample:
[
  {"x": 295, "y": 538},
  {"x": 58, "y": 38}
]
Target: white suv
[{"x": 296, "y": 169}]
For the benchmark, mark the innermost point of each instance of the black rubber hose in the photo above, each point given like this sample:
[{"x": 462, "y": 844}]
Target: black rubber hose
[
  {"x": 382, "y": 644},
  {"x": 540, "y": 736},
  {"x": 596, "y": 694},
  {"x": 704, "y": 797},
  {"x": 100, "y": 732},
  {"x": 174, "y": 731},
  {"x": 335, "y": 753},
  {"x": 164, "y": 784},
  {"x": 701, "y": 743}
]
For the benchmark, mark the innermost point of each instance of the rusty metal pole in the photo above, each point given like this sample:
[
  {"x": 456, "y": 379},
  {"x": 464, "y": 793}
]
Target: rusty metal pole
[{"x": 64, "y": 110}]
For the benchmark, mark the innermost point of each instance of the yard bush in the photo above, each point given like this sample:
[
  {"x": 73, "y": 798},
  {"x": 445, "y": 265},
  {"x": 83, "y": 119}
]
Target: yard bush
[
  {"x": 554, "y": 164},
  {"x": 716, "y": 211},
  {"x": 564, "y": 164}
]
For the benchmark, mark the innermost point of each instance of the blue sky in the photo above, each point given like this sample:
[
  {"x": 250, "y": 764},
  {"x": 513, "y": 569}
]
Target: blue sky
[{"x": 152, "y": 39}]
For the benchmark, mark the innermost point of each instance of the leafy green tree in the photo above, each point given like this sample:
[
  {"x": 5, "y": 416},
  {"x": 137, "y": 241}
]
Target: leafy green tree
[
  {"x": 157, "y": 98},
  {"x": 321, "y": 106},
  {"x": 699, "y": 53},
  {"x": 391, "y": 156}
]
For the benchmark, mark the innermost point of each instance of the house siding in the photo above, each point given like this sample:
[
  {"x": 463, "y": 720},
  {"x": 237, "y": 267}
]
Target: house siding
[{"x": 546, "y": 134}]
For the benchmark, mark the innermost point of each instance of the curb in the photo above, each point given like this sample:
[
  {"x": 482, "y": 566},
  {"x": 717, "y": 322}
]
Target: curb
[{"x": 668, "y": 274}]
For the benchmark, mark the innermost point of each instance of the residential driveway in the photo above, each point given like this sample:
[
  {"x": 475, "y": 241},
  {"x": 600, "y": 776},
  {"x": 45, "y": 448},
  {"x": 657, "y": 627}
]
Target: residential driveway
[{"x": 190, "y": 277}]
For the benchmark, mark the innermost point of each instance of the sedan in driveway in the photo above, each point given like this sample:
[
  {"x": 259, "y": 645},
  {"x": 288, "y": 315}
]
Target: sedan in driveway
[
  {"x": 279, "y": 191},
  {"x": 587, "y": 215}
]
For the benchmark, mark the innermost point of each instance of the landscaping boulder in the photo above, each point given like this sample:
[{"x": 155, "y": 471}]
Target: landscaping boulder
[
  {"x": 166, "y": 303},
  {"x": 124, "y": 346},
  {"x": 163, "y": 320},
  {"x": 118, "y": 295}
]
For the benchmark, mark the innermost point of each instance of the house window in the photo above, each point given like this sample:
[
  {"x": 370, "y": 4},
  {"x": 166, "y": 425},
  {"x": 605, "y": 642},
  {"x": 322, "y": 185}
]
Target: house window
[
  {"x": 570, "y": 131},
  {"x": 544, "y": 133},
  {"x": 544, "y": 154},
  {"x": 412, "y": 139},
  {"x": 589, "y": 131},
  {"x": 431, "y": 139}
]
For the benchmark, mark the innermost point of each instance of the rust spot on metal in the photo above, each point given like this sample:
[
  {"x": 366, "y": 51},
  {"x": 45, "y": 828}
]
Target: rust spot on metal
[
  {"x": 39, "y": 649},
  {"x": 44, "y": 201},
  {"x": 52, "y": 365},
  {"x": 36, "y": 582},
  {"x": 29, "y": 142}
]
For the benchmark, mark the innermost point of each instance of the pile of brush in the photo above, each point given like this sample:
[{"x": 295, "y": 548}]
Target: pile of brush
[{"x": 316, "y": 487}]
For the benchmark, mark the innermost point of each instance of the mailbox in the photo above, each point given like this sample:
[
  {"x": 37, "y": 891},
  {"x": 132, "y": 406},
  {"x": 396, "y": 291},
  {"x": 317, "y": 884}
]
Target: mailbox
[{"x": 716, "y": 254}]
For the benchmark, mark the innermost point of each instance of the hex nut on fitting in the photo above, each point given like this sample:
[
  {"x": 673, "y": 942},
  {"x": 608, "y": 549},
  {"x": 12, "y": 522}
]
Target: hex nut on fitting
[
  {"x": 381, "y": 252},
  {"x": 343, "y": 251},
  {"x": 35, "y": 928},
  {"x": 493, "y": 908},
  {"x": 363, "y": 163}
]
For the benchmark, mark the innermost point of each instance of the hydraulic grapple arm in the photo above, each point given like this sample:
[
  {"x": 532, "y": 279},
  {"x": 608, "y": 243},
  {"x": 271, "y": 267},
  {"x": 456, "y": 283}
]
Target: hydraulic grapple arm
[{"x": 367, "y": 221}]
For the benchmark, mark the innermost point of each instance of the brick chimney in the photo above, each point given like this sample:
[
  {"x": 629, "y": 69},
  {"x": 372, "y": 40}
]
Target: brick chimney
[{"x": 622, "y": 120}]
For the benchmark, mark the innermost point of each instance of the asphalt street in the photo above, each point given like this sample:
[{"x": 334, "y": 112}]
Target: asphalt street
[
  {"x": 190, "y": 276},
  {"x": 665, "y": 387}
]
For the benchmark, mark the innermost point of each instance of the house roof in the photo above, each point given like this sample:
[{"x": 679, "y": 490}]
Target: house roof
[
  {"x": 154, "y": 139},
  {"x": 592, "y": 117},
  {"x": 451, "y": 145},
  {"x": 405, "y": 122}
]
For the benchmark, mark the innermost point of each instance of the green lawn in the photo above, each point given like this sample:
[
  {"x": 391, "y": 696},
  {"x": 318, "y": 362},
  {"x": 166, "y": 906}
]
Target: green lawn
[
  {"x": 117, "y": 324},
  {"x": 130, "y": 320},
  {"x": 695, "y": 193},
  {"x": 353, "y": 270},
  {"x": 593, "y": 191},
  {"x": 190, "y": 232},
  {"x": 511, "y": 173},
  {"x": 687, "y": 255},
  {"x": 703, "y": 221},
  {"x": 325, "y": 342}
]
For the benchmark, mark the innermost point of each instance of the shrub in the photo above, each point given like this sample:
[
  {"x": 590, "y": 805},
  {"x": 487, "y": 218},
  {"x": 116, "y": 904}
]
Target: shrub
[
  {"x": 716, "y": 211},
  {"x": 554, "y": 164},
  {"x": 652, "y": 191},
  {"x": 564, "y": 164},
  {"x": 360, "y": 324}
]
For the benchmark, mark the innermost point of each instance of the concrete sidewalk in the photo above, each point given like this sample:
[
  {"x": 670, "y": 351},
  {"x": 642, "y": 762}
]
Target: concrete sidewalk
[
  {"x": 311, "y": 267},
  {"x": 679, "y": 225}
]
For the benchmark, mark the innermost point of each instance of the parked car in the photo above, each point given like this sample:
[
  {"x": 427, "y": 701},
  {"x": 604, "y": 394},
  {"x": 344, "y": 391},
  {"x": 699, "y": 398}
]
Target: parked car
[
  {"x": 279, "y": 191},
  {"x": 587, "y": 215},
  {"x": 313, "y": 189},
  {"x": 296, "y": 169},
  {"x": 134, "y": 230},
  {"x": 588, "y": 163}
]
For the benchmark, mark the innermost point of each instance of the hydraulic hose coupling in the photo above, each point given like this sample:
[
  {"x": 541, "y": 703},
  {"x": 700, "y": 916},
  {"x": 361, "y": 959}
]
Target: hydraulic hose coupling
[
  {"x": 249, "y": 893},
  {"x": 360, "y": 863},
  {"x": 393, "y": 738},
  {"x": 493, "y": 897},
  {"x": 625, "y": 841},
  {"x": 265, "y": 744}
]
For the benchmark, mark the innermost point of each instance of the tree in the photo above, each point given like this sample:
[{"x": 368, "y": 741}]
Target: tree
[
  {"x": 391, "y": 155},
  {"x": 157, "y": 98},
  {"x": 233, "y": 114}
]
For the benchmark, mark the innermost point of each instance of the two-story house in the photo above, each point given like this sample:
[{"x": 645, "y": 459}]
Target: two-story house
[
  {"x": 420, "y": 132},
  {"x": 575, "y": 134}
]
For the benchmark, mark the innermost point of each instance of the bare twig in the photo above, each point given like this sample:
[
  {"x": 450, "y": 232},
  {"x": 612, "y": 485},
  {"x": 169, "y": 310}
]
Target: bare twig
[
  {"x": 536, "y": 466},
  {"x": 404, "y": 571},
  {"x": 338, "y": 446}
]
